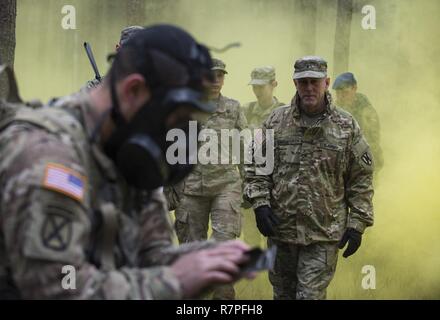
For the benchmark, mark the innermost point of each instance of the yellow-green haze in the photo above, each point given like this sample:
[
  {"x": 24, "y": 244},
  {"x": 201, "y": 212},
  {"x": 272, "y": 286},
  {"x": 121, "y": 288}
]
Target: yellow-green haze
[{"x": 397, "y": 66}]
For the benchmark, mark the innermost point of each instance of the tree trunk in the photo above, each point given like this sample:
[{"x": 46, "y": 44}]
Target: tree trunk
[
  {"x": 8, "y": 13},
  {"x": 342, "y": 36},
  {"x": 136, "y": 12},
  {"x": 307, "y": 13}
]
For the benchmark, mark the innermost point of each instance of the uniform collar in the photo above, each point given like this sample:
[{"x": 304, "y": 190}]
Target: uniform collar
[
  {"x": 264, "y": 112},
  {"x": 221, "y": 103},
  {"x": 296, "y": 111}
]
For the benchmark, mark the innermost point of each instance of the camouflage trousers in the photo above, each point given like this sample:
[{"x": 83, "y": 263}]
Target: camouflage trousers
[
  {"x": 192, "y": 220},
  {"x": 303, "y": 272}
]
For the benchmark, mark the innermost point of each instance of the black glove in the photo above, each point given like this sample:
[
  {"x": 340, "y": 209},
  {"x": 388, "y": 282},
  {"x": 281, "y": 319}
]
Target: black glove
[
  {"x": 266, "y": 220},
  {"x": 354, "y": 239}
]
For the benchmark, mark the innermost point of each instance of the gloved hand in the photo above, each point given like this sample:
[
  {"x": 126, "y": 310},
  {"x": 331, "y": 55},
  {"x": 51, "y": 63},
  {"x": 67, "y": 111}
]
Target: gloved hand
[
  {"x": 266, "y": 220},
  {"x": 354, "y": 239}
]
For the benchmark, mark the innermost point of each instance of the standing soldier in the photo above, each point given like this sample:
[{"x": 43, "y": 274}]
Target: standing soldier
[
  {"x": 319, "y": 195},
  {"x": 214, "y": 190},
  {"x": 75, "y": 180},
  {"x": 361, "y": 109},
  {"x": 263, "y": 82}
]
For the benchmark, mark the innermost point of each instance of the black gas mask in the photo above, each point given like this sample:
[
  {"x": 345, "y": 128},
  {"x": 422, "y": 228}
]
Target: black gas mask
[{"x": 176, "y": 79}]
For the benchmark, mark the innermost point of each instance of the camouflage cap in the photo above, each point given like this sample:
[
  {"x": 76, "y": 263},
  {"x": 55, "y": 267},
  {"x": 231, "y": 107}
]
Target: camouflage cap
[
  {"x": 262, "y": 75},
  {"x": 344, "y": 80},
  {"x": 128, "y": 32},
  {"x": 310, "y": 67},
  {"x": 217, "y": 64}
]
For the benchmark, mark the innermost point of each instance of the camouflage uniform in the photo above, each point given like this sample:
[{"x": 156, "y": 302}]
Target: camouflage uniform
[
  {"x": 64, "y": 203},
  {"x": 255, "y": 116},
  {"x": 213, "y": 190},
  {"x": 321, "y": 184},
  {"x": 364, "y": 113},
  {"x": 368, "y": 120}
]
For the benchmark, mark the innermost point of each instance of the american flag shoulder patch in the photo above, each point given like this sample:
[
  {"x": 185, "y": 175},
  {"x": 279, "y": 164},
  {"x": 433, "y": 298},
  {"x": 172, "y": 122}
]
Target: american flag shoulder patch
[{"x": 64, "y": 180}]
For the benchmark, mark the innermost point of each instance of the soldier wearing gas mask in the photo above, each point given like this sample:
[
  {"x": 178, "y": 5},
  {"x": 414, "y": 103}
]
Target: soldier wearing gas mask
[{"x": 80, "y": 215}]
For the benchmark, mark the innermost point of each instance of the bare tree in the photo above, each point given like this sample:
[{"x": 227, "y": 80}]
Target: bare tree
[
  {"x": 8, "y": 13},
  {"x": 341, "y": 54},
  {"x": 136, "y": 12}
]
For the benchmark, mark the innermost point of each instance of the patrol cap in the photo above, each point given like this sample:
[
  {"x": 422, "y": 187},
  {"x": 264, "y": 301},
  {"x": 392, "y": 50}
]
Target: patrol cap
[
  {"x": 262, "y": 75},
  {"x": 344, "y": 80},
  {"x": 310, "y": 67},
  {"x": 128, "y": 32},
  {"x": 217, "y": 64}
]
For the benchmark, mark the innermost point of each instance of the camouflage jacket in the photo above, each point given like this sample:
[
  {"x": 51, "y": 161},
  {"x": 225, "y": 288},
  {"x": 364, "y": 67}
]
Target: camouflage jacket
[
  {"x": 255, "y": 115},
  {"x": 322, "y": 177},
  {"x": 64, "y": 203},
  {"x": 209, "y": 179},
  {"x": 368, "y": 120}
]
